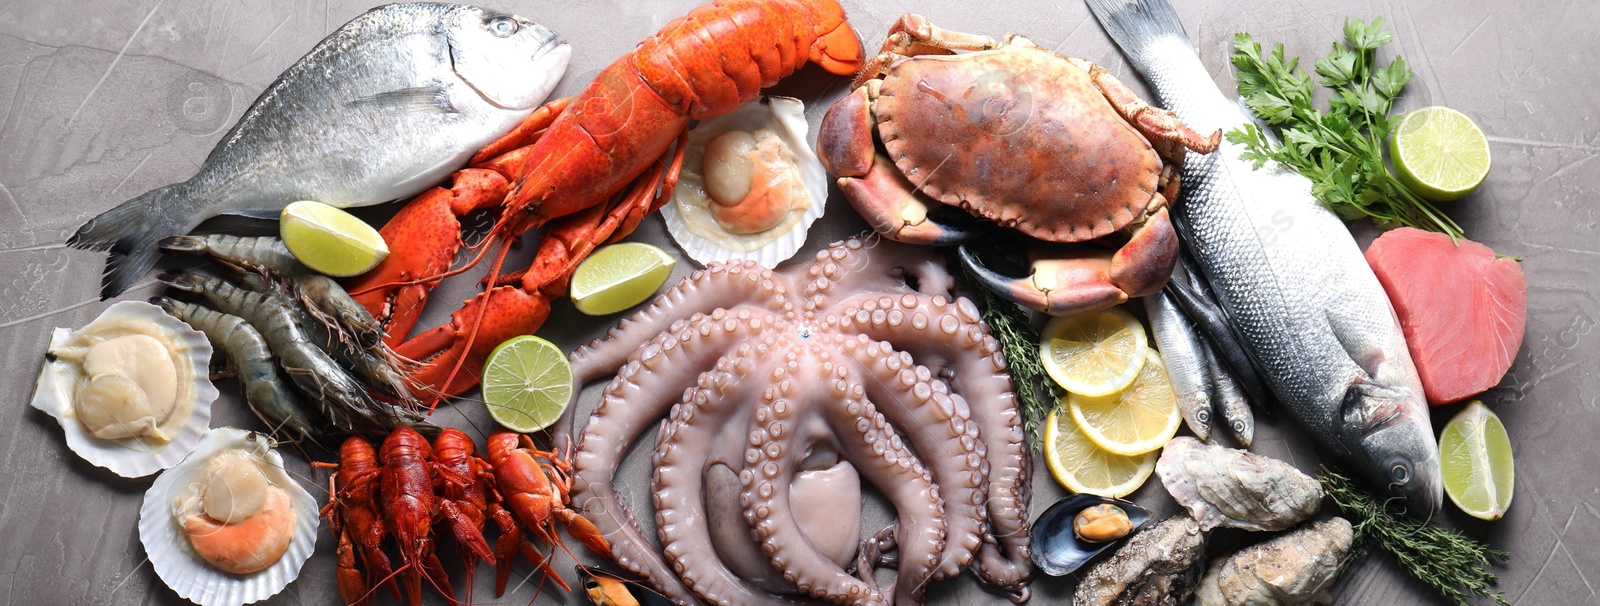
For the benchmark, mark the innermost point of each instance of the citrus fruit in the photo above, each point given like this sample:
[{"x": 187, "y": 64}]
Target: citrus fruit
[
  {"x": 1439, "y": 153},
  {"x": 527, "y": 383},
  {"x": 1134, "y": 421},
  {"x": 619, "y": 276},
  {"x": 1475, "y": 458},
  {"x": 329, "y": 240},
  {"x": 1081, "y": 466},
  {"x": 1094, "y": 354}
]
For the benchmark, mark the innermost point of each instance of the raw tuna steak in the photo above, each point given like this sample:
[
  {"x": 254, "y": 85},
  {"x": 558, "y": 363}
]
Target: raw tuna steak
[{"x": 1462, "y": 309}]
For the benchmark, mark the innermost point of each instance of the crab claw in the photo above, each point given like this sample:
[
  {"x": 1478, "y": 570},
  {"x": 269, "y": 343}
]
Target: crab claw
[{"x": 1057, "y": 286}]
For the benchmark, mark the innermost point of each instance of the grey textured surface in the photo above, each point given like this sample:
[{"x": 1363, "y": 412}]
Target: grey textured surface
[{"x": 103, "y": 100}]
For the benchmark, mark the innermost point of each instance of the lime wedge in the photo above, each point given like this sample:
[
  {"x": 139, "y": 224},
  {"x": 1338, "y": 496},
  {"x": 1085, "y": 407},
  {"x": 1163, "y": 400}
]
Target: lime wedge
[
  {"x": 329, "y": 240},
  {"x": 1082, "y": 467},
  {"x": 1439, "y": 153},
  {"x": 1475, "y": 458},
  {"x": 527, "y": 383},
  {"x": 619, "y": 276},
  {"x": 1094, "y": 354}
]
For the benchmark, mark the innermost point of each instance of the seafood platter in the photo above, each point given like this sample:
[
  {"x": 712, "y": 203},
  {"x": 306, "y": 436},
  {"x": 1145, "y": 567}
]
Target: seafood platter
[{"x": 792, "y": 302}]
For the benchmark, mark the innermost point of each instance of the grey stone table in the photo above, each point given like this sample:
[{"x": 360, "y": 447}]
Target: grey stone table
[{"x": 102, "y": 100}]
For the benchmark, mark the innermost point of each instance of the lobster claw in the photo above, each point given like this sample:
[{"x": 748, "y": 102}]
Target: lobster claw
[{"x": 1063, "y": 286}]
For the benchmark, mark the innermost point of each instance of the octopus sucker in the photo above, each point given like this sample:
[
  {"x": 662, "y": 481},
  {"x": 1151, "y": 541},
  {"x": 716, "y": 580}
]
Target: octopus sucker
[{"x": 785, "y": 389}]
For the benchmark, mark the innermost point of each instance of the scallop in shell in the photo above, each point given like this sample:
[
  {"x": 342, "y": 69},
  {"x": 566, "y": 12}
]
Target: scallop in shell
[
  {"x": 750, "y": 186},
  {"x": 130, "y": 389},
  {"x": 231, "y": 498}
]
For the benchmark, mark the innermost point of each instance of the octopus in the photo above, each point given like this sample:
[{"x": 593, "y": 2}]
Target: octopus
[{"x": 783, "y": 390}]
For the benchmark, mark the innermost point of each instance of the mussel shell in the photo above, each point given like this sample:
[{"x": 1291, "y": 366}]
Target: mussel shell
[{"x": 1057, "y": 550}]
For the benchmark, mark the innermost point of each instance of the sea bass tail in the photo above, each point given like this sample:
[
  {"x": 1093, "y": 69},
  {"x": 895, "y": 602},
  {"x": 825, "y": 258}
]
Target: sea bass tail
[
  {"x": 130, "y": 232},
  {"x": 1135, "y": 25}
]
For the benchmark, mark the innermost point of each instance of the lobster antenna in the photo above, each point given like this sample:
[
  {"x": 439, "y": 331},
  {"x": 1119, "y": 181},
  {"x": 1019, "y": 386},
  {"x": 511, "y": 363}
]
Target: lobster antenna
[{"x": 483, "y": 311}]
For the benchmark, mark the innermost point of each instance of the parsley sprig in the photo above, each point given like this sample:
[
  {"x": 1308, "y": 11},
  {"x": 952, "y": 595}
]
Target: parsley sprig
[{"x": 1340, "y": 150}]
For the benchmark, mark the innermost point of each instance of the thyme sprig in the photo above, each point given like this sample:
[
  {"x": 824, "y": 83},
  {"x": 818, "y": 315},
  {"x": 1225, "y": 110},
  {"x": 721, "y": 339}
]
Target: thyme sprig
[{"x": 1036, "y": 392}]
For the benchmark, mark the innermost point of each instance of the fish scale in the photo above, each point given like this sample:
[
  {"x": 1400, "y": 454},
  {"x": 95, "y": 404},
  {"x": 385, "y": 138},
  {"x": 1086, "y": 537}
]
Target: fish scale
[{"x": 1292, "y": 280}]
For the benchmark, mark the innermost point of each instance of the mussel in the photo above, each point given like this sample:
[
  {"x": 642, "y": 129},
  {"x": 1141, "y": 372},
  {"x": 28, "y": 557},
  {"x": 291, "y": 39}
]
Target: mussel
[{"x": 1057, "y": 548}]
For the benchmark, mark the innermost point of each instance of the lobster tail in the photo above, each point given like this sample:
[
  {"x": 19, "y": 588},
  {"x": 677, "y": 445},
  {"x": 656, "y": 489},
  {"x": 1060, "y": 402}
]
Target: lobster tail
[{"x": 837, "y": 49}]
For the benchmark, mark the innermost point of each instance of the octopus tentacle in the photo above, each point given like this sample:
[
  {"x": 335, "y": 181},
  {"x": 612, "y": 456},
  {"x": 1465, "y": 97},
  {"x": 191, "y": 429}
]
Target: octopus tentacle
[
  {"x": 718, "y": 287},
  {"x": 935, "y": 330},
  {"x": 681, "y": 458},
  {"x": 883, "y": 458},
  {"x": 937, "y": 425},
  {"x": 863, "y": 266},
  {"x": 631, "y": 403}
]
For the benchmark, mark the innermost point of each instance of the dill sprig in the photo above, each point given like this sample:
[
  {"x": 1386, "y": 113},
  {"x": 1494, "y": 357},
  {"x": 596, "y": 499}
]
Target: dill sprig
[
  {"x": 1452, "y": 563},
  {"x": 1340, "y": 150},
  {"x": 1036, "y": 392}
]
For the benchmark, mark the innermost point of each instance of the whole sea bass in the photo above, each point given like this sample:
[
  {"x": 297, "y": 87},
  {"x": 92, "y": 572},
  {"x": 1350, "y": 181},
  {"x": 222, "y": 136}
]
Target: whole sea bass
[
  {"x": 1292, "y": 280},
  {"x": 382, "y": 108}
]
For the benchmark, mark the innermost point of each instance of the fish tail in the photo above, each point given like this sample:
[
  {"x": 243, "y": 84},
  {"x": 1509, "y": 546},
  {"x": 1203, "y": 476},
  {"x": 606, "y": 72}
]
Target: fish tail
[
  {"x": 130, "y": 232},
  {"x": 1136, "y": 25}
]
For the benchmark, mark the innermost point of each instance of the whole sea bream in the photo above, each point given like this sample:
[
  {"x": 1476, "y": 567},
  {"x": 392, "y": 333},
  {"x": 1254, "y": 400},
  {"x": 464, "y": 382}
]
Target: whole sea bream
[
  {"x": 1290, "y": 277},
  {"x": 381, "y": 109}
]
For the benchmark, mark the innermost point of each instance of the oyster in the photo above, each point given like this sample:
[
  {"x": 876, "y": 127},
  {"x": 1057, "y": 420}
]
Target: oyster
[
  {"x": 228, "y": 525},
  {"x": 1159, "y": 566},
  {"x": 1057, "y": 548},
  {"x": 130, "y": 389},
  {"x": 1226, "y": 487},
  {"x": 1292, "y": 569},
  {"x": 750, "y": 185}
]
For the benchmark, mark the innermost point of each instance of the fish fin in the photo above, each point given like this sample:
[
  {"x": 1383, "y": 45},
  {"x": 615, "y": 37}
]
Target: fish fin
[
  {"x": 130, "y": 232},
  {"x": 417, "y": 99},
  {"x": 1135, "y": 25}
]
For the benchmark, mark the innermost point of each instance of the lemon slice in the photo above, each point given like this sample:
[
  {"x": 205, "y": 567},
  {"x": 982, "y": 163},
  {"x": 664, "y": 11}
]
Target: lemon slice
[
  {"x": 1081, "y": 466},
  {"x": 1439, "y": 153},
  {"x": 1136, "y": 420},
  {"x": 1475, "y": 458},
  {"x": 527, "y": 383},
  {"x": 1094, "y": 354},
  {"x": 619, "y": 276},
  {"x": 329, "y": 240}
]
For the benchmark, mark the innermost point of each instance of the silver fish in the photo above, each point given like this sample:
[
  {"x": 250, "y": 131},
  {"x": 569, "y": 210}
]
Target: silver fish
[
  {"x": 1183, "y": 355},
  {"x": 1293, "y": 569},
  {"x": 1230, "y": 402},
  {"x": 1307, "y": 307},
  {"x": 385, "y": 106}
]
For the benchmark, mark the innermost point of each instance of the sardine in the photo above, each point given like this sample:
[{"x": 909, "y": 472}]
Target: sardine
[
  {"x": 1181, "y": 353},
  {"x": 1291, "y": 279},
  {"x": 1230, "y": 402},
  {"x": 381, "y": 109}
]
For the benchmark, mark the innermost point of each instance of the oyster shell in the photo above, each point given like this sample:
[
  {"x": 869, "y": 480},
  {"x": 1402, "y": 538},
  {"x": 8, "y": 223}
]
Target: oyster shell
[
  {"x": 175, "y": 495},
  {"x": 1159, "y": 566},
  {"x": 1057, "y": 550},
  {"x": 131, "y": 389},
  {"x": 1292, "y": 569},
  {"x": 1226, "y": 487},
  {"x": 689, "y": 217}
]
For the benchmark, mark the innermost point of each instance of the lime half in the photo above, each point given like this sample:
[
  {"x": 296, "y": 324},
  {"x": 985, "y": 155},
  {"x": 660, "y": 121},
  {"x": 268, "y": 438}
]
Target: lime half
[
  {"x": 1439, "y": 153},
  {"x": 619, "y": 276},
  {"x": 527, "y": 383},
  {"x": 329, "y": 240},
  {"x": 1082, "y": 467},
  {"x": 1475, "y": 458}
]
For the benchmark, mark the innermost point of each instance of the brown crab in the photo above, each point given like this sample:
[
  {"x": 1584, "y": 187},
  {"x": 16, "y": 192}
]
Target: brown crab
[{"x": 1051, "y": 146}]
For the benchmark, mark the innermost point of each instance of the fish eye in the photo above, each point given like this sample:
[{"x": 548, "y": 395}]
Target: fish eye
[
  {"x": 1399, "y": 473},
  {"x": 1203, "y": 416},
  {"x": 503, "y": 26},
  {"x": 1238, "y": 427}
]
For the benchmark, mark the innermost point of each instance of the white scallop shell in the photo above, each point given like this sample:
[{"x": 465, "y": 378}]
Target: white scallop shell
[
  {"x": 130, "y": 458},
  {"x": 701, "y": 239},
  {"x": 168, "y": 547}
]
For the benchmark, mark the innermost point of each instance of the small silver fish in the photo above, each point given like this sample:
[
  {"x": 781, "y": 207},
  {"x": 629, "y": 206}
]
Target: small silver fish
[
  {"x": 1230, "y": 402},
  {"x": 1185, "y": 358},
  {"x": 381, "y": 109},
  {"x": 1293, "y": 569},
  {"x": 1293, "y": 282}
]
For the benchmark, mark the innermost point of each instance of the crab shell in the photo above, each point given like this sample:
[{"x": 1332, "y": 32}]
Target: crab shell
[
  {"x": 132, "y": 457},
  {"x": 174, "y": 559}
]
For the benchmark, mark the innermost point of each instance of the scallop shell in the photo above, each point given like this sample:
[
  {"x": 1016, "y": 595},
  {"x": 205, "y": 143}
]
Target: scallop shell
[
  {"x": 130, "y": 458},
  {"x": 692, "y": 226},
  {"x": 168, "y": 547}
]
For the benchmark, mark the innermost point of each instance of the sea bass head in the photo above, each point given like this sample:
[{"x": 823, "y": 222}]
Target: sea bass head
[
  {"x": 513, "y": 62},
  {"x": 1387, "y": 432}
]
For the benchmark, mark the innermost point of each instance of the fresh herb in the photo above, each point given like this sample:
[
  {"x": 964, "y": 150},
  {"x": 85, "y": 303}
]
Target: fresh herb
[
  {"x": 1340, "y": 150},
  {"x": 1452, "y": 563},
  {"x": 1036, "y": 392}
]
